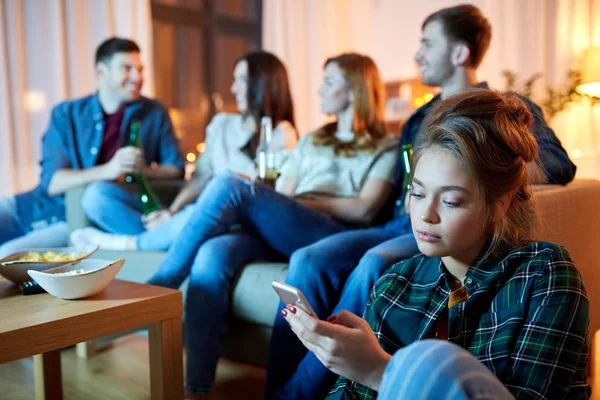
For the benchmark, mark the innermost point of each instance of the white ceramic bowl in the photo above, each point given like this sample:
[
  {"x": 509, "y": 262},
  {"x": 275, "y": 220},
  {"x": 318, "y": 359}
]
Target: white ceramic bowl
[
  {"x": 15, "y": 270},
  {"x": 96, "y": 275}
]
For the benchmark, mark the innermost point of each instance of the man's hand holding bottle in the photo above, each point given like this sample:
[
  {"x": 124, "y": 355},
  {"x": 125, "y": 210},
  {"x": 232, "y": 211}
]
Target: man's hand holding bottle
[{"x": 126, "y": 160}]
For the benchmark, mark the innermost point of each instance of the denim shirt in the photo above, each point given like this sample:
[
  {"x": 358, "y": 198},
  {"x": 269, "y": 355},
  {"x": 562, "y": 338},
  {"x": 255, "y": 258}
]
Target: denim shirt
[
  {"x": 73, "y": 140},
  {"x": 552, "y": 157}
]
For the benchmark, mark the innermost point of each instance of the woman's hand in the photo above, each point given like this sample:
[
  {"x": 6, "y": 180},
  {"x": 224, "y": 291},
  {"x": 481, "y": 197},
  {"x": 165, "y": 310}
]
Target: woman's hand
[
  {"x": 155, "y": 219},
  {"x": 344, "y": 343}
]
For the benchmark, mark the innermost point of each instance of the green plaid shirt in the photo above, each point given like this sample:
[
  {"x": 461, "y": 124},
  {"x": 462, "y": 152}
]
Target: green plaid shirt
[{"x": 526, "y": 319}]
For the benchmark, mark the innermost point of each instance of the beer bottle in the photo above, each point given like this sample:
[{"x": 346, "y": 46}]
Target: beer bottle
[
  {"x": 407, "y": 154},
  {"x": 149, "y": 199},
  {"x": 134, "y": 141},
  {"x": 265, "y": 154}
]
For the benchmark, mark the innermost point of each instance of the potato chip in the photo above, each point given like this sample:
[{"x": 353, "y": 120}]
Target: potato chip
[{"x": 50, "y": 256}]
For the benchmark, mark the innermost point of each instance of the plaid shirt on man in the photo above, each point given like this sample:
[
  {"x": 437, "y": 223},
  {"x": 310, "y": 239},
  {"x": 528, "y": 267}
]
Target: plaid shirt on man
[{"x": 526, "y": 319}]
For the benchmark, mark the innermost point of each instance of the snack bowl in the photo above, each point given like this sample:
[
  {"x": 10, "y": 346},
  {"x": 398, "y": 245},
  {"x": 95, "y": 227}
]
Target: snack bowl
[
  {"x": 77, "y": 280},
  {"x": 13, "y": 268}
]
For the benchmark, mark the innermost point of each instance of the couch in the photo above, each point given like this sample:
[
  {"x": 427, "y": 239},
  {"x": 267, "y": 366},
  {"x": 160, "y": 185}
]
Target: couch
[{"x": 569, "y": 216}]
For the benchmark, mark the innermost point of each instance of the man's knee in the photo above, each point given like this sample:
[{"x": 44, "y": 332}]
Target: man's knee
[
  {"x": 94, "y": 194},
  {"x": 306, "y": 264}
]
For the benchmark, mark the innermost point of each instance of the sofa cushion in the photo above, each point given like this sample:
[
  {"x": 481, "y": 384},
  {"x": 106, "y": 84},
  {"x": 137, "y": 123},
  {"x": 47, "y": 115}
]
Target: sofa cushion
[{"x": 253, "y": 297}]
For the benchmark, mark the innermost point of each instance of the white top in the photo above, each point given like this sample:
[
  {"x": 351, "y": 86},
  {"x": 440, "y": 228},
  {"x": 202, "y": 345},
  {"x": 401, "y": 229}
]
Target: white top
[
  {"x": 225, "y": 139},
  {"x": 321, "y": 173}
]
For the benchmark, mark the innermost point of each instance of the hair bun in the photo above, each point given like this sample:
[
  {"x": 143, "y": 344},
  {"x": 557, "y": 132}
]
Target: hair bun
[
  {"x": 518, "y": 113},
  {"x": 518, "y": 109}
]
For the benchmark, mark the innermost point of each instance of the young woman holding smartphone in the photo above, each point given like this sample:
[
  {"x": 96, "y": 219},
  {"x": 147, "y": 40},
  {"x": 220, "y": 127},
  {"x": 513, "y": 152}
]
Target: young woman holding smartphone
[{"x": 509, "y": 316}]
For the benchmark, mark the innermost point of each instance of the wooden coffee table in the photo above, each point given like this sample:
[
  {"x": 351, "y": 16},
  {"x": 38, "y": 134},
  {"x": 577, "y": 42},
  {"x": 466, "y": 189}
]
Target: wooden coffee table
[{"x": 40, "y": 325}]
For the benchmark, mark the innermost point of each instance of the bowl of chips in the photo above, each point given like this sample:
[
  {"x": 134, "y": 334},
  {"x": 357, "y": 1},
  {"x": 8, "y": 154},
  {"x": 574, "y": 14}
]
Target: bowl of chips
[
  {"x": 79, "y": 279},
  {"x": 14, "y": 267}
]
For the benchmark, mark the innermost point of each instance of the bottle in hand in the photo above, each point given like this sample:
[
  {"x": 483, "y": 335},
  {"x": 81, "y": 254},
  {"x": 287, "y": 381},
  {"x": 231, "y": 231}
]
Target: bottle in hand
[
  {"x": 265, "y": 154},
  {"x": 149, "y": 199},
  {"x": 407, "y": 155},
  {"x": 133, "y": 141}
]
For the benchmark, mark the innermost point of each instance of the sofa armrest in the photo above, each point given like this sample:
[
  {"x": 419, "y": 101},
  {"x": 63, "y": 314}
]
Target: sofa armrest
[
  {"x": 76, "y": 218},
  {"x": 570, "y": 217}
]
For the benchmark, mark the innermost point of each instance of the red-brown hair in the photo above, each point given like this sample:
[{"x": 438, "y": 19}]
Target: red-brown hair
[{"x": 363, "y": 79}]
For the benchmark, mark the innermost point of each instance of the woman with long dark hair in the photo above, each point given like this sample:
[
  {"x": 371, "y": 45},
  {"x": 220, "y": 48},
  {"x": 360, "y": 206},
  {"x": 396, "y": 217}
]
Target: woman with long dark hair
[{"x": 261, "y": 88}]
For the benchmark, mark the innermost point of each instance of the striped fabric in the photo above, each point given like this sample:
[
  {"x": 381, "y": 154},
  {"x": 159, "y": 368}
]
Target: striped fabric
[{"x": 526, "y": 319}]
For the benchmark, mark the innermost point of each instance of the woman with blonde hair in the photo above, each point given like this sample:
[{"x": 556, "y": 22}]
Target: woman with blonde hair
[{"x": 336, "y": 178}]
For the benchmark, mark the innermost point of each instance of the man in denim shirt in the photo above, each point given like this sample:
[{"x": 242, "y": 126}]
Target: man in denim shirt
[
  {"x": 84, "y": 144},
  {"x": 338, "y": 272}
]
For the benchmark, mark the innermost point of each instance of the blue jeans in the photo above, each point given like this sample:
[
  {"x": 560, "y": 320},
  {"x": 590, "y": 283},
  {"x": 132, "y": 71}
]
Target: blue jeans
[
  {"x": 117, "y": 209},
  {"x": 161, "y": 237},
  {"x": 207, "y": 301},
  {"x": 336, "y": 273},
  {"x": 15, "y": 236},
  {"x": 114, "y": 208},
  {"x": 433, "y": 369},
  {"x": 272, "y": 222}
]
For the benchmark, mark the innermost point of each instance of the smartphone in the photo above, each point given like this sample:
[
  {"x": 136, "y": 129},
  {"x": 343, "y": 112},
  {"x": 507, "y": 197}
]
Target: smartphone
[{"x": 291, "y": 295}]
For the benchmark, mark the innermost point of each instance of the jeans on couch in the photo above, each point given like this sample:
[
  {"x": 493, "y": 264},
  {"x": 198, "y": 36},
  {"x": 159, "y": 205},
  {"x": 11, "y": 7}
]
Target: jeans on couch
[
  {"x": 207, "y": 301},
  {"x": 117, "y": 209},
  {"x": 336, "y": 273},
  {"x": 211, "y": 254},
  {"x": 15, "y": 236},
  {"x": 114, "y": 208}
]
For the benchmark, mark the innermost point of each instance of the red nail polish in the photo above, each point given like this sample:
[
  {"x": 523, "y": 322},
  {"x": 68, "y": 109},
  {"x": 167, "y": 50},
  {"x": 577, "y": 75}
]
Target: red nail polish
[
  {"x": 292, "y": 309},
  {"x": 331, "y": 318},
  {"x": 284, "y": 313}
]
